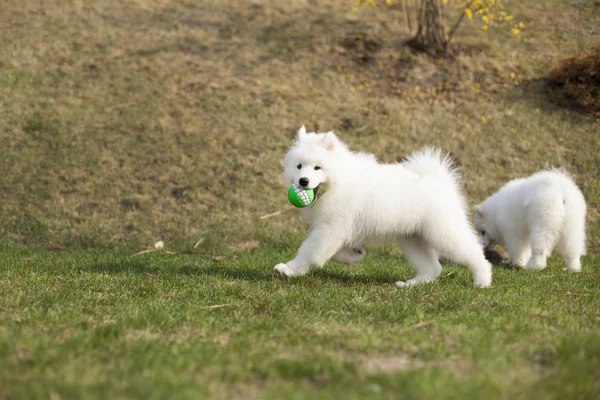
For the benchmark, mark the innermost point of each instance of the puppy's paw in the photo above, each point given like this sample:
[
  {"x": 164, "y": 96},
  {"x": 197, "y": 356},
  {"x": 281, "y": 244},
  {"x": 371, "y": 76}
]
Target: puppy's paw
[
  {"x": 574, "y": 265},
  {"x": 412, "y": 282},
  {"x": 518, "y": 262},
  {"x": 483, "y": 282},
  {"x": 283, "y": 269},
  {"x": 416, "y": 280},
  {"x": 534, "y": 265}
]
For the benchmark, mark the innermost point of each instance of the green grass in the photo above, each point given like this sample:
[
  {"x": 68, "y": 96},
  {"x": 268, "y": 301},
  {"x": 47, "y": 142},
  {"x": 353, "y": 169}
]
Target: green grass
[{"x": 94, "y": 324}]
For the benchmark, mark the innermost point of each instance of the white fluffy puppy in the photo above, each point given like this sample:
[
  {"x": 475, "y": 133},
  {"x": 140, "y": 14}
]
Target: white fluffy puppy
[
  {"x": 416, "y": 204},
  {"x": 531, "y": 216}
]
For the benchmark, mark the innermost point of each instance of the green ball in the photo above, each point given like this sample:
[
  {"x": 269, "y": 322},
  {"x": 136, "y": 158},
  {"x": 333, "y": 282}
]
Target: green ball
[{"x": 300, "y": 197}]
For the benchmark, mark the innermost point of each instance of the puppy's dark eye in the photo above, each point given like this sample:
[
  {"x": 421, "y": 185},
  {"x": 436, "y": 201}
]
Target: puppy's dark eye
[
  {"x": 299, "y": 166},
  {"x": 317, "y": 168},
  {"x": 482, "y": 233}
]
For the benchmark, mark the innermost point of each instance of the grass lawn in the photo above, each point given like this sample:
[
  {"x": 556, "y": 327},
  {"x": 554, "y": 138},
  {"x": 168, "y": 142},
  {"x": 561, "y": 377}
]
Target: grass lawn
[{"x": 113, "y": 325}]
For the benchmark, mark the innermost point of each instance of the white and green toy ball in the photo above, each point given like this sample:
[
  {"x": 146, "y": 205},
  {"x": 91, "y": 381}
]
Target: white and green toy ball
[{"x": 300, "y": 197}]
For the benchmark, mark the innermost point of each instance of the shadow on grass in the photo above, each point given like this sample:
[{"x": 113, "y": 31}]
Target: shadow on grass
[
  {"x": 185, "y": 269},
  {"x": 543, "y": 94},
  {"x": 323, "y": 275},
  {"x": 127, "y": 267},
  {"x": 317, "y": 275},
  {"x": 506, "y": 265},
  {"x": 349, "y": 278}
]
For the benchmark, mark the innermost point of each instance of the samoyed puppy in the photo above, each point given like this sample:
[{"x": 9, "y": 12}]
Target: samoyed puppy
[
  {"x": 532, "y": 216},
  {"x": 358, "y": 201}
]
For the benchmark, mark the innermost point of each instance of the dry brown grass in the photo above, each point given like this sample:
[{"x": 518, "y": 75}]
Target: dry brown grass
[
  {"x": 578, "y": 77},
  {"x": 128, "y": 122}
]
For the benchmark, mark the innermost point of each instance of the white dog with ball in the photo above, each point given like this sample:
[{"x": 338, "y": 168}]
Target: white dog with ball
[{"x": 358, "y": 201}]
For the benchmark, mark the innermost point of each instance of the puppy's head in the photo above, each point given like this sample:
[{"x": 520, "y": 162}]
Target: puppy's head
[
  {"x": 311, "y": 160},
  {"x": 485, "y": 226}
]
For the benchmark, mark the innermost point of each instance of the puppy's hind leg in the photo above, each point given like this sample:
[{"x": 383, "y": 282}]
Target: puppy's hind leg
[
  {"x": 544, "y": 228},
  {"x": 423, "y": 258},
  {"x": 455, "y": 240},
  {"x": 571, "y": 244}
]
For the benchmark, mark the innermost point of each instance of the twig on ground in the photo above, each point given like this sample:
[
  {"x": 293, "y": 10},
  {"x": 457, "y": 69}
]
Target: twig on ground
[
  {"x": 199, "y": 242},
  {"x": 224, "y": 257},
  {"x": 149, "y": 275},
  {"x": 216, "y": 257},
  {"x": 422, "y": 324},
  {"x": 274, "y": 214},
  {"x": 146, "y": 251}
]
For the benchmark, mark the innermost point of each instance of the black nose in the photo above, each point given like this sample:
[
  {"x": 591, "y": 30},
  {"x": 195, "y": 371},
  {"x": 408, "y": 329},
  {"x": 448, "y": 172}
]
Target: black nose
[{"x": 303, "y": 182}]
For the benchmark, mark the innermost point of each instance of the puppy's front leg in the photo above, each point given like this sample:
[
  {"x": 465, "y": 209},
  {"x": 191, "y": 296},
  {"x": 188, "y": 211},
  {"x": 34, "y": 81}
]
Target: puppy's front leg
[{"x": 320, "y": 245}]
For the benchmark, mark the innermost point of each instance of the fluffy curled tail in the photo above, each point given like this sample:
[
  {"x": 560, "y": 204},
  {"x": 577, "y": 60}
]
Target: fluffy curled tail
[{"x": 430, "y": 161}]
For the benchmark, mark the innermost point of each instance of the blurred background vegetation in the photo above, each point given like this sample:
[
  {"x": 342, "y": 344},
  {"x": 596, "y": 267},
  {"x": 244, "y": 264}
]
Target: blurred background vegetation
[{"x": 128, "y": 122}]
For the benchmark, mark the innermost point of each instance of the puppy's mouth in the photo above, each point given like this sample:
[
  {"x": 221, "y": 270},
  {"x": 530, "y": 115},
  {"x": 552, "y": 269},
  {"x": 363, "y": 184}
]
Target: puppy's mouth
[{"x": 317, "y": 191}]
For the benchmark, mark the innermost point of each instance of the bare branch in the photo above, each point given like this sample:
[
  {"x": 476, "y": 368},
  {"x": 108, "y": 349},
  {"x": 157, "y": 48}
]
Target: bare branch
[{"x": 457, "y": 23}]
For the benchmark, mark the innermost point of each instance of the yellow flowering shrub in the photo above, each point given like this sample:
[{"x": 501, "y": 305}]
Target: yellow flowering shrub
[{"x": 490, "y": 13}]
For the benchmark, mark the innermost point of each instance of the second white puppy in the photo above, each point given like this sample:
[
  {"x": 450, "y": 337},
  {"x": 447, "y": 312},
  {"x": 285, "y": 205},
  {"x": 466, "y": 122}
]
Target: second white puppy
[
  {"x": 531, "y": 216},
  {"x": 416, "y": 204}
]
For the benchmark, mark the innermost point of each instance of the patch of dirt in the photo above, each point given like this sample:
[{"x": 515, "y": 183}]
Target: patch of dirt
[
  {"x": 181, "y": 334},
  {"x": 390, "y": 364},
  {"x": 244, "y": 245},
  {"x": 134, "y": 335}
]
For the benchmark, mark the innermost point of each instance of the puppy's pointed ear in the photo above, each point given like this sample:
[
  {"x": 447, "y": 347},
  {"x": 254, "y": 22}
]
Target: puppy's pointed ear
[
  {"x": 479, "y": 211},
  {"x": 330, "y": 141},
  {"x": 301, "y": 133}
]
